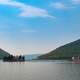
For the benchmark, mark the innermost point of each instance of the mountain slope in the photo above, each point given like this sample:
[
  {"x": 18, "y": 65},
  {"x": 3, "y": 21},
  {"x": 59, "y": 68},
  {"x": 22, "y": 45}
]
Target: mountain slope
[
  {"x": 64, "y": 52},
  {"x": 3, "y": 54}
]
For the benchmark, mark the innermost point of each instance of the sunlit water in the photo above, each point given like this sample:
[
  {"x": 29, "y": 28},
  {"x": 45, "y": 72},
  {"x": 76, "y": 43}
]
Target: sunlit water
[{"x": 44, "y": 70}]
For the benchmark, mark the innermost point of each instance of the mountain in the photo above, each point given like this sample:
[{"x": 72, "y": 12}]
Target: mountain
[
  {"x": 64, "y": 52},
  {"x": 31, "y": 56},
  {"x": 3, "y": 54}
]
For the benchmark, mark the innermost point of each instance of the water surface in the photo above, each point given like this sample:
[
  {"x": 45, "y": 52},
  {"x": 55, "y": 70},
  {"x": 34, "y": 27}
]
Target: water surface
[{"x": 44, "y": 70}]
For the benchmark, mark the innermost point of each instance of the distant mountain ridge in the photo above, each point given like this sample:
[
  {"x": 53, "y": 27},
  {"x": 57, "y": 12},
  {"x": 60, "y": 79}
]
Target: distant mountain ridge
[
  {"x": 31, "y": 56},
  {"x": 3, "y": 53},
  {"x": 64, "y": 52}
]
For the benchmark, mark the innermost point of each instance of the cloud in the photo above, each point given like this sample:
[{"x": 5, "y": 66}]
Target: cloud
[
  {"x": 31, "y": 11},
  {"x": 4, "y": 0},
  {"x": 58, "y": 5},
  {"x": 76, "y": 1},
  {"x": 62, "y": 6},
  {"x": 27, "y": 10}
]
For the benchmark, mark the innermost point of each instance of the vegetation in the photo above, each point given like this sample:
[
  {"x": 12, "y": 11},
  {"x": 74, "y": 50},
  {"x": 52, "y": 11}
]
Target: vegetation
[
  {"x": 3, "y": 54},
  {"x": 12, "y": 58},
  {"x": 64, "y": 52}
]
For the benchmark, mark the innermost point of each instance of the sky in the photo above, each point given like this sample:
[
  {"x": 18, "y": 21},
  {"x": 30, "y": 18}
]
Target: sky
[{"x": 38, "y": 26}]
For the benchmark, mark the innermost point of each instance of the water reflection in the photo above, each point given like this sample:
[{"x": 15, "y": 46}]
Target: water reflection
[{"x": 39, "y": 71}]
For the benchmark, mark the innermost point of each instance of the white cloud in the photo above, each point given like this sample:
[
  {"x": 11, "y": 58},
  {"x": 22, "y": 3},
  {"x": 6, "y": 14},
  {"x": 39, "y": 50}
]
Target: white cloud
[
  {"x": 4, "y": 0},
  {"x": 76, "y": 1},
  {"x": 27, "y": 10},
  {"x": 31, "y": 11},
  {"x": 58, "y": 5},
  {"x": 62, "y": 6}
]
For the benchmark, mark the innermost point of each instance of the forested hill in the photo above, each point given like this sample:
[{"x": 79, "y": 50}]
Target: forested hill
[
  {"x": 64, "y": 52},
  {"x": 3, "y": 54}
]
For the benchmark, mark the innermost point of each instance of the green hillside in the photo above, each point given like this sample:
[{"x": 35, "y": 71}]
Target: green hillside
[
  {"x": 3, "y": 54},
  {"x": 64, "y": 52}
]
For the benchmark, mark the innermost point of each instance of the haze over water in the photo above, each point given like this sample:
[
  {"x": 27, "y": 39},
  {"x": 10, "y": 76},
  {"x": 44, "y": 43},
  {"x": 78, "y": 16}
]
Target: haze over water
[{"x": 39, "y": 71}]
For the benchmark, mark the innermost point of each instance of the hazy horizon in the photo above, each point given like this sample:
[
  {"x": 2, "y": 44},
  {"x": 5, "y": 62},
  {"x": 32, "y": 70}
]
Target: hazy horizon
[{"x": 38, "y": 26}]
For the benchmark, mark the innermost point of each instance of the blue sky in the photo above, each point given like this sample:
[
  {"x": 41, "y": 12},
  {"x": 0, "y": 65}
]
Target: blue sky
[{"x": 38, "y": 26}]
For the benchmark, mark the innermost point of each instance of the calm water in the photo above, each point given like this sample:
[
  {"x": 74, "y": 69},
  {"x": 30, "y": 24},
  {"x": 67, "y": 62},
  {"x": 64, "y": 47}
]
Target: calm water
[{"x": 39, "y": 71}]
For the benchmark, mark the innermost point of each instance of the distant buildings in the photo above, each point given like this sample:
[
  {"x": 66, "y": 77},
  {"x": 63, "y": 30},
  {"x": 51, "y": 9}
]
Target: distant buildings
[{"x": 76, "y": 58}]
